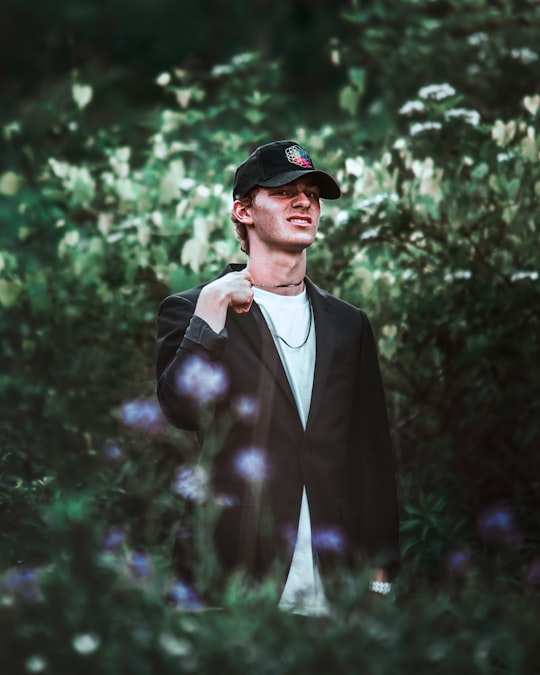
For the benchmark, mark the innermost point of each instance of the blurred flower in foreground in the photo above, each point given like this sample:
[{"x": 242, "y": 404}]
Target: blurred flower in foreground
[
  {"x": 184, "y": 596},
  {"x": 202, "y": 381},
  {"x": 174, "y": 646},
  {"x": 246, "y": 408},
  {"x": 143, "y": 415},
  {"x": 114, "y": 539},
  {"x": 328, "y": 540},
  {"x": 532, "y": 574},
  {"x": 191, "y": 482},
  {"x": 35, "y": 664},
  {"x": 112, "y": 452},
  {"x": 23, "y": 582},
  {"x": 140, "y": 565},
  {"x": 252, "y": 464},
  {"x": 497, "y": 525},
  {"x": 458, "y": 562},
  {"x": 85, "y": 643}
]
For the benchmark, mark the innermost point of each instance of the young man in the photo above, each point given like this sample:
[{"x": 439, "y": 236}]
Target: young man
[{"x": 308, "y": 472}]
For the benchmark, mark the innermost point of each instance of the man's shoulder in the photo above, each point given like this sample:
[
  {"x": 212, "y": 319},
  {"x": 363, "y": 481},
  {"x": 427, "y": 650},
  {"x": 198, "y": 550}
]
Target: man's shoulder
[{"x": 336, "y": 303}]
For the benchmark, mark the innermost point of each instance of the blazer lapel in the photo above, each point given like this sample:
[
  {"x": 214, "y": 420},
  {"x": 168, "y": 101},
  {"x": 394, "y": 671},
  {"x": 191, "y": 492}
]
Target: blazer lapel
[
  {"x": 325, "y": 333},
  {"x": 255, "y": 329}
]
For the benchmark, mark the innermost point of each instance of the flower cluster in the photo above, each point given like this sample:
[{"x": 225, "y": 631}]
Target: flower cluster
[
  {"x": 252, "y": 464},
  {"x": 115, "y": 538},
  {"x": 185, "y": 597},
  {"x": 458, "y": 562},
  {"x": 202, "y": 381},
  {"x": 139, "y": 565},
  {"x": 191, "y": 482},
  {"x": 143, "y": 415},
  {"x": 437, "y": 92},
  {"x": 497, "y": 525},
  {"x": 246, "y": 408},
  {"x": 328, "y": 540},
  {"x": 23, "y": 583}
]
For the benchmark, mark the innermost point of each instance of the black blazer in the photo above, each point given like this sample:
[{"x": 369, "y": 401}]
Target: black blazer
[{"x": 343, "y": 457}]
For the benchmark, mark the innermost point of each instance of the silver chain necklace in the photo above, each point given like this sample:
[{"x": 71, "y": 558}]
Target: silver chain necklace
[{"x": 275, "y": 333}]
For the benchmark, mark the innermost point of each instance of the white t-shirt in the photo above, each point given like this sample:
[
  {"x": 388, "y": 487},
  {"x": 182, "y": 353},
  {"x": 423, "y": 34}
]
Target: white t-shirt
[{"x": 291, "y": 318}]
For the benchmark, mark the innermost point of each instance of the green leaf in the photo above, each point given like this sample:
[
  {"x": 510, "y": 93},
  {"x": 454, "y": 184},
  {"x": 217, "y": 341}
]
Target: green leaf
[
  {"x": 349, "y": 98},
  {"x": 9, "y": 292}
]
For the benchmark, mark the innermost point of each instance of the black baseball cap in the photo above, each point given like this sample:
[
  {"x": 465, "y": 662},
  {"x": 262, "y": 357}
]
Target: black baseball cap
[{"x": 279, "y": 163}]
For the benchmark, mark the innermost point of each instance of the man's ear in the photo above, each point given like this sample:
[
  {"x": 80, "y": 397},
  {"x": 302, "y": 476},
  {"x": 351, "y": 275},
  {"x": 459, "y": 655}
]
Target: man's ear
[{"x": 242, "y": 212}]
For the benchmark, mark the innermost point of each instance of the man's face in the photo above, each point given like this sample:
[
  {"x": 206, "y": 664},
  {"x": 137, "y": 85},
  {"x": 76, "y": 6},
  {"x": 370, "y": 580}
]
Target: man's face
[{"x": 285, "y": 217}]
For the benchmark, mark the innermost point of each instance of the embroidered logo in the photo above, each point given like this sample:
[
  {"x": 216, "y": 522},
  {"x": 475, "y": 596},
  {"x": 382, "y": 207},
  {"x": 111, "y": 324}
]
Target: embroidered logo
[{"x": 297, "y": 155}]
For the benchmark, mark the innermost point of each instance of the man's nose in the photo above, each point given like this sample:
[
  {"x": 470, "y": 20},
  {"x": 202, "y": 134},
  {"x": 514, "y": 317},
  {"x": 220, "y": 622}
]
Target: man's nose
[{"x": 301, "y": 199}]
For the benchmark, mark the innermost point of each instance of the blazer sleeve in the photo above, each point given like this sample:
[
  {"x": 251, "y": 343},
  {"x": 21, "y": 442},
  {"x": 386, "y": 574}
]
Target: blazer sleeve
[
  {"x": 181, "y": 336},
  {"x": 372, "y": 449}
]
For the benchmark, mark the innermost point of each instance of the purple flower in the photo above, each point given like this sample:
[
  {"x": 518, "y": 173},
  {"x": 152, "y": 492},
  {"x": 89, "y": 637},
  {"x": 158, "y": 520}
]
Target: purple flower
[
  {"x": 497, "y": 525},
  {"x": 191, "y": 483},
  {"x": 143, "y": 415},
  {"x": 226, "y": 501},
  {"x": 112, "y": 452},
  {"x": 184, "y": 596},
  {"x": 458, "y": 562},
  {"x": 328, "y": 540},
  {"x": 252, "y": 464},
  {"x": 246, "y": 408},
  {"x": 203, "y": 381},
  {"x": 140, "y": 565},
  {"x": 22, "y": 582},
  {"x": 532, "y": 575},
  {"x": 114, "y": 539}
]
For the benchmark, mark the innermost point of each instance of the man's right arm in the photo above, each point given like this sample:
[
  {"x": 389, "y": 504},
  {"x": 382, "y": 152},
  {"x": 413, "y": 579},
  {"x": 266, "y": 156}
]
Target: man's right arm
[{"x": 187, "y": 331}]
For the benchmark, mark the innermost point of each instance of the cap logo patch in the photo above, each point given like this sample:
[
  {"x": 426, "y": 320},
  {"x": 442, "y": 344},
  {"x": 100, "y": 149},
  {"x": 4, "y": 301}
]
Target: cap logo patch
[{"x": 297, "y": 155}]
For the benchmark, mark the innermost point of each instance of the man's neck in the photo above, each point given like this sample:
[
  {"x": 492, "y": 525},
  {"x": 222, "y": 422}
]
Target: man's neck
[{"x": 283, "y": 275}]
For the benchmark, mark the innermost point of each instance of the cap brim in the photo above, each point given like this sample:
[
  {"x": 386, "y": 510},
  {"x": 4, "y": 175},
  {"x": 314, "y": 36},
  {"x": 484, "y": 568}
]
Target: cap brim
[{"x": 324, "y": 181}]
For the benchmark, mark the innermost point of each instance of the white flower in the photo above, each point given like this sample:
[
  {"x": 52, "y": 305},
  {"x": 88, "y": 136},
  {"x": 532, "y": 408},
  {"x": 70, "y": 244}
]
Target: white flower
[
  {"x": 85, "y": 643},
  {"x": 458, "y": 274},
  {"x": 518, "y": 276},
  {"x": 35, "y": 664},
  {"x": 219, "y": 70},
  {"x": 370, "y": 233},
  {"x": 187, "y": 184},
  {"x": 163, "y": 79},
  {"x": 437, "y": 91},
  {"x": 354, "y": 166},
  {"x": 419, "y": 127},
  {"x": 174, "y": 646},
  {"x": 477, "y": 39},
  {"x": 412, "y": 107},
  {"x": 471, "y": 117},
  {"x": 342, "y": 217},
  {"x": 524, "y": 55}
]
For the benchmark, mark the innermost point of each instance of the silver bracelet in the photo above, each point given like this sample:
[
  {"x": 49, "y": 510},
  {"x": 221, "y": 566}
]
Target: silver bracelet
[{"x": 382, "y": 587}]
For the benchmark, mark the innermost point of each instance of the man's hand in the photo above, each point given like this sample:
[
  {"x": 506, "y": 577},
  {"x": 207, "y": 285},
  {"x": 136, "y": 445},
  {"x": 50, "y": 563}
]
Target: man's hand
[{"x": 232, "y": 290}]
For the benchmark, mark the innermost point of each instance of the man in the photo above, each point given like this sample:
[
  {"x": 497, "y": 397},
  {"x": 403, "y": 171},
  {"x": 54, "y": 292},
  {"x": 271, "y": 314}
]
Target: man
[{"x": 306, "y": 362}]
